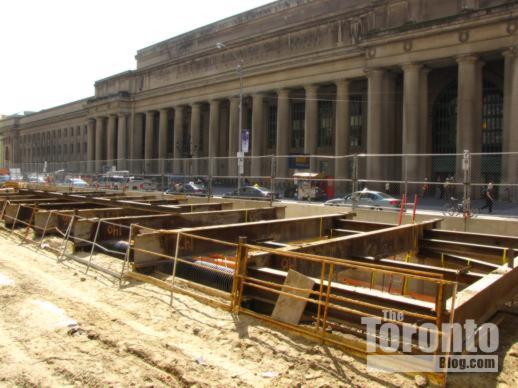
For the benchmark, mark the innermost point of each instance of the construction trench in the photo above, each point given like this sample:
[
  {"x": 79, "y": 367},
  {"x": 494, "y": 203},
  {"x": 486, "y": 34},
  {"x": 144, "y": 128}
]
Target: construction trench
[{"x": 316, "y": 275}]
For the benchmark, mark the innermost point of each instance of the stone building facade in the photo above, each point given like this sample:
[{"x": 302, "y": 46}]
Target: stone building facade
[{"x": 320, "y": 77}]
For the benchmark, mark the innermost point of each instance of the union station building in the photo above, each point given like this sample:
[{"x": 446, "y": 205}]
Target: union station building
[{"x": 320, "y": 77}]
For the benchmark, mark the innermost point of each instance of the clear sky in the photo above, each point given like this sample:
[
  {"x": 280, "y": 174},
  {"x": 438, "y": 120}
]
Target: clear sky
[{"x": 52, "y": 51}]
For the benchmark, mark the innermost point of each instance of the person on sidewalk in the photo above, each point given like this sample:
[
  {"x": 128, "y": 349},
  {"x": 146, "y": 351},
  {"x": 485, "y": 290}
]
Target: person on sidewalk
[{"x": 489, "y": 197}]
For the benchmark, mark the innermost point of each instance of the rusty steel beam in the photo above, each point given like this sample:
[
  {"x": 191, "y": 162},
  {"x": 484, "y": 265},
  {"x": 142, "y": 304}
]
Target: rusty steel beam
[
  {"x": 116, "y": 228},
  {"x": 490, "y": 253},
  {"x": 473, "y": 238},
  {"x": 287, "y": 230},
  {"x": 362, "y": 226}
]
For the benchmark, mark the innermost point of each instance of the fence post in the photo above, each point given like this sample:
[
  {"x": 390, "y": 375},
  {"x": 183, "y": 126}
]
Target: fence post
[
  {"x": 127, "y": 256},
  {"x": 466, "y": 167},
  {"x": 272, "y": 179},
  {"x": 405, "y": 164},
  {"x": 210, "y": 167},
  {"x": 66, "y": 238},
  {"x": 176, "y": 251},
  {"x": 93, "y": 245},
  {"x": 237, "y": 284},
  {"x": 355, "y": 179}
]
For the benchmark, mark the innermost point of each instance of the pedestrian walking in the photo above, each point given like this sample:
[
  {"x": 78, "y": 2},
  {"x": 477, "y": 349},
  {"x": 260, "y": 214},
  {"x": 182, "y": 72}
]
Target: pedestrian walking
[
  {"x": 489, "y": 197},
  {"x": 424, "y": 188}
]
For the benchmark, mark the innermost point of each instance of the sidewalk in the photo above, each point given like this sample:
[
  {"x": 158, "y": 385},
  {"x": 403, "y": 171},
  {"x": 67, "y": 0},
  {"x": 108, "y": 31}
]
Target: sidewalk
[{"x": 500, "y": 208}]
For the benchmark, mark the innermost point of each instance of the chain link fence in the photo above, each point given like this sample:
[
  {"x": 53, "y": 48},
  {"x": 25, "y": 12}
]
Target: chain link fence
[{"x": 432, "y": 178}]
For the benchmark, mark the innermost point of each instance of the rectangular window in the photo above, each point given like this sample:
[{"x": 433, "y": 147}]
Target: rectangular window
[
  {"x": 356, "y": 120},
  {"x": 272, "y": 126},
  {"x": 325, "y": 123},
  {"x": 298, "y": 112}
]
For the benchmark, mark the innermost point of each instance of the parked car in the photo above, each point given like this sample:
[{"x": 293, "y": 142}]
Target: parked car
[
  {"x": 140, "y": 183},
  {"x": 367, "y": 198},
  {"x": 119, "y": 182},
  {"x": 37, "y": 179},
  {"x": 251, "y": 192},
  {"x": 111, "y": 182},
  {"x": 75, "y": 182},
  {"x": 187, "y": 188}
]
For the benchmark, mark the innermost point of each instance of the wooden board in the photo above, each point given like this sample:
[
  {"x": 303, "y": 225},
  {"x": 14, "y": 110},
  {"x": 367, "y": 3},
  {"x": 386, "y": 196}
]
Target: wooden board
[{"x": 289, "y": 310}]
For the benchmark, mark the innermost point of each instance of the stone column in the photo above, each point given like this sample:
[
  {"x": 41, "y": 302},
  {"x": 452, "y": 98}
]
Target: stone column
[
  {"x": 374, "y": 124},
  {"x": 112, "y": 135},
  {"x": 510, "y": 136},
  {"x": 311, "y": 124},
  {"x": 162, "y": 133},
  {"x": 162, "y": 138},
  {"x": 233, "y": 134},
  {"x": 100, "y": 141},
  {"x": 121, "y": 142},
  {"x": 178, "y": 138},
  {"x": 342, "y": 129},
  {"x": 195, "y": 135},
  {"x": 90, "y": 145},
  {"x": 138, "y": 136},
  {"x": 195, "y": 129},
  {"x": 411, "y": 121},
  {"x": 257, "y": 133},
  {"x": 469, "y": 119},
  {"x": 283, "y": 123},
  {"x": 213, "y": 134},
  {"x": 425, "y": 143},
  {"x": 148, "y": 142}
]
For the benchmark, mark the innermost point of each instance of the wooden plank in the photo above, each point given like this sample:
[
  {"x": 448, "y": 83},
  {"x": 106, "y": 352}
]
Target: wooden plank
[{"x": 290, "y": 310}]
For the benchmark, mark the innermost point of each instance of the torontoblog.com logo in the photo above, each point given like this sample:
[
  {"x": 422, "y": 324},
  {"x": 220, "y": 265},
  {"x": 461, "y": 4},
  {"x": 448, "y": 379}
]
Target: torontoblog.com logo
[{"x": 397, "y": 346}]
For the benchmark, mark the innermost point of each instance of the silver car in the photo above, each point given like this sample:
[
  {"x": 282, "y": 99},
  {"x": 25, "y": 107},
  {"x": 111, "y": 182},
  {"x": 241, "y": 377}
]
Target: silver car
[{"x": 367, "y": 198}]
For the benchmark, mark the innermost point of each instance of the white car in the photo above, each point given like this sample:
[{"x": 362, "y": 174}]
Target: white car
[{"x": 75, "y": 182}]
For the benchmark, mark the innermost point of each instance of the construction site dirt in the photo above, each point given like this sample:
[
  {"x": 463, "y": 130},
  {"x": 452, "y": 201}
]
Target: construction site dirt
[
  {"x": 100, "y": 289},
  {"x": 59, "y": 327}
]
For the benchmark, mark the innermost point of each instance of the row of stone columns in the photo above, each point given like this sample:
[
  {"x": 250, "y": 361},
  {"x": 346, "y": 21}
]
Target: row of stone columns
[
  {"x": 379, "y": 110},
  {"x": 106, "y": 140}
]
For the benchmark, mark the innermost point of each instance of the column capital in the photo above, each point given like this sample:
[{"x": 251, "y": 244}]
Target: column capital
[
  {"x": 195, "y": 105},
  {"x": 374, "y": 72},
  {"x": 215, "y": 101},
  {"x": 342, "y": 83},
  {"x": 510, "y": 52},
  {"x": 283, "y": 93},
  {"x": 412, "y": 66},
  {"x": 164, "y": 110},
  {"x": 311, "y": 89},
  {"x": 467, "y": 59}
]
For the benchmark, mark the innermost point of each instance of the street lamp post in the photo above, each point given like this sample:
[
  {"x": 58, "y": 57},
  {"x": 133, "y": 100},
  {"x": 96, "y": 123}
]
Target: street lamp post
[{"x": 239, "y": 70}]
